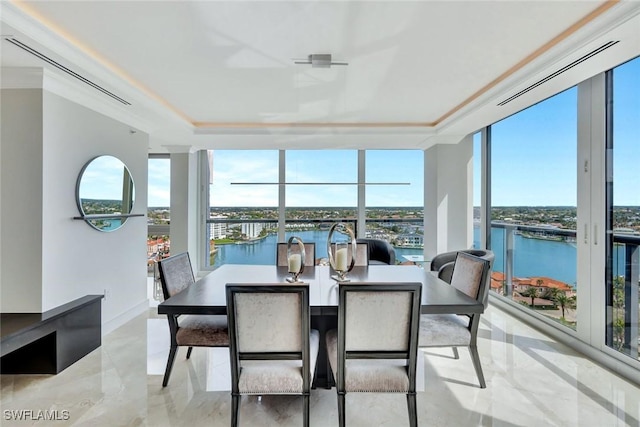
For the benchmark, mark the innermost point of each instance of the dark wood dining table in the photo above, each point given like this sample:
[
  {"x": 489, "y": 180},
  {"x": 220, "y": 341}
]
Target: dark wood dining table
[{"x": 208, "y": 295}]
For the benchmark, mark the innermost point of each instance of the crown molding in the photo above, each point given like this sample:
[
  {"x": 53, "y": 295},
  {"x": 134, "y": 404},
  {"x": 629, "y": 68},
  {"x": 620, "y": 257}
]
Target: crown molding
[{"x": 578, "y": 41}]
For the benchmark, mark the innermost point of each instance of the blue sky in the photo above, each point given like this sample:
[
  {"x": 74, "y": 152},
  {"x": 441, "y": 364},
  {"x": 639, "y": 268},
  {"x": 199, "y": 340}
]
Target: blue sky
[
  {"x": 302, "y": 166},
  {"x": 533, "y": 159},
  {"x": 102, "y": 179}
]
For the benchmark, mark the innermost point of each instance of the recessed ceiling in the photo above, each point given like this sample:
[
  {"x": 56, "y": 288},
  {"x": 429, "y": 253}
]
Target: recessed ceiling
[{"x": 228, "y": 66}]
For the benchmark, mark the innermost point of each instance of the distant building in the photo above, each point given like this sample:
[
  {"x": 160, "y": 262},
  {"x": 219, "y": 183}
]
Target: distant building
[
  {"x": 542, "y": 284},
  {"x": 157, "y": 249},
  {"x": 218, "y": 230},
  {"x": 252, "y": 229},
  {"x": 521, "y": 284},
  {"x": 414, "y": 240},
  {"x": 497, "y": 282}
]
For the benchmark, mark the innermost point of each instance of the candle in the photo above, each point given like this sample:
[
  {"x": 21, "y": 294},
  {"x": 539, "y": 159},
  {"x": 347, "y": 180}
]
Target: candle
[
  {"x": 294, "y": 263},
  {"x": 341, "y": 259}
]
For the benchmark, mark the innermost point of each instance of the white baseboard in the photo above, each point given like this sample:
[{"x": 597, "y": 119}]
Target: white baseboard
[{"x": 120, "y": 320}]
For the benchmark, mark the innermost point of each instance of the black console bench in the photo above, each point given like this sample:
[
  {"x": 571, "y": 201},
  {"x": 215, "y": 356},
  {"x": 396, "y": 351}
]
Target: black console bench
[{"x": 47, "y": 343}]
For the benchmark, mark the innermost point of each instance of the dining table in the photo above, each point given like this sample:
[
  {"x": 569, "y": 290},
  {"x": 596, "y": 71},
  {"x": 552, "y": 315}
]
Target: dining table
[{"x": 208, "y": 295}]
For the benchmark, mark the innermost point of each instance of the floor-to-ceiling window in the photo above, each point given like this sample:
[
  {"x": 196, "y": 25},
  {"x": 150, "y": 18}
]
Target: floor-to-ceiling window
[
  {"x": 243, "y": 200},
  {"x": 320, "y": 189},
  {"x": 256, "y": 197},
  {"x": 533, "y": 207},
  {"x": 623, "y": 199},
  {"x": 158, "y": 212},
  {"x": 394, "y": 200}
]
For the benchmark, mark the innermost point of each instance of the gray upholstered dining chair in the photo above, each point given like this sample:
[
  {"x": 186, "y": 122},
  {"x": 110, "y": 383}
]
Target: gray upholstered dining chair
[
  {"x": 470, "y": 275},
  {"x": 197, "y": 330},
  {"x": 375, "y": 346},
  {"x": 272, "y": 348},
  {"x": 309, "y": 255},
  {"x": 443, "y": 262},
  {"x": 379, "y": 251}
]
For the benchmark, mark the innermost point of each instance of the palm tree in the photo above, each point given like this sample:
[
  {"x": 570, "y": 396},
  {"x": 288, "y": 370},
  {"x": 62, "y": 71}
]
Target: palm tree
[
  {"x": 550, "y": 293},
  {"x": 530, "y": 292},
  {"x": 564, "y": 301}
]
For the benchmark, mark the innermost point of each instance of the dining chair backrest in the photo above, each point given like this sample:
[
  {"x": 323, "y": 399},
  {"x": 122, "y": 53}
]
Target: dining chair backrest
[
  {"x": 258, "y": 309},
  {"x": 443, "y": 262},
  {"x": 176, "y": 274},
  {"x": 361, "y": 254},
  {"x": 470, "y": 275},
  {"x": 377, "y": 318},
  {"x": 309, "y": 255}
]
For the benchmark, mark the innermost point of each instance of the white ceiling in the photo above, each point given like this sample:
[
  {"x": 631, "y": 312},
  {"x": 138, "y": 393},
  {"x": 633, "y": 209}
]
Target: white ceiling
[{"x": 221, "y": 73}]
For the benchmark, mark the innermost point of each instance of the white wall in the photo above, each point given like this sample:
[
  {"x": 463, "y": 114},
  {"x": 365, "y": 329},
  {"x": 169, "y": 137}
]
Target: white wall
[
  {"x": 78, "y": 259},
  {"x": 448, "y": 197},
  {"x": 74, "y": 259},
  {"x": 21, "y": 211},
  {"x": 184, "y": 205}
]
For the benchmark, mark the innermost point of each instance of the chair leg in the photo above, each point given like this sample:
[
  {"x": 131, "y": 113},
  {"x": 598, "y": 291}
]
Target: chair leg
[
  {"x": 455, "y": 353},
  {"x": 305, "y": 402},
  {"x": 235, "y": 409},
  {"x": 475, "y": 357},
  {"x": 413, "y": 409},
  {"x": 167, "y": 371},
  {"x": 189, "y": 352},
  {"x": 341, "y": 414}
]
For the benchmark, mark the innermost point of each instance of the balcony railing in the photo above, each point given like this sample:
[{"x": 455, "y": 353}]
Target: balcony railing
[{"x": 623, "y": 323}]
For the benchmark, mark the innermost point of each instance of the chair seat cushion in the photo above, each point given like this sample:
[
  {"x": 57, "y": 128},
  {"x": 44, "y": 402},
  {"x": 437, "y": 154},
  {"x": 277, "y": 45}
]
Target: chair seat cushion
[
  {"x": 369, "y": 375},
  {"x": 444, "y": 330},
  {"x": 202, "y": 331},
  {"x": 277, "y": 376}
]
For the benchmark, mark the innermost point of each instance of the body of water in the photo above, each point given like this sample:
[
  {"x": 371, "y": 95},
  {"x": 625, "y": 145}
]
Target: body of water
[
  {"x": 537, "y": 257},
  {"x": 264, "y": 251},
  {"x": 532, "y": 257}
]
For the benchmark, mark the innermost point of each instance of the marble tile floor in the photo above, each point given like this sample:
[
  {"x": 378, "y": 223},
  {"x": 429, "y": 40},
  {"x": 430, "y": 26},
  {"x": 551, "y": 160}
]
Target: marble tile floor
[{"x": 531, "y": 381}]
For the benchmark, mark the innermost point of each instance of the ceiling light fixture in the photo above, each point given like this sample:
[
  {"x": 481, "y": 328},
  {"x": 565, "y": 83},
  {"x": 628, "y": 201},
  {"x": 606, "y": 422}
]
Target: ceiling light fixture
[
  {"x": 320, "y": 183},
  {"x": 319, "y": 60}
]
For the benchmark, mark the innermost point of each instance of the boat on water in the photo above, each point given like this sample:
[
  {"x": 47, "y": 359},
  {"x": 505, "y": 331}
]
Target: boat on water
[
  {"x": 251, "y": 241},
  {"x": 542, "y": 236}
]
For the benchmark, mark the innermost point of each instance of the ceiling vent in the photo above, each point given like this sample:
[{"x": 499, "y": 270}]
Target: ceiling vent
[
  {"x": 61, "y": 67},
  {"x": 560, "y": 71}
]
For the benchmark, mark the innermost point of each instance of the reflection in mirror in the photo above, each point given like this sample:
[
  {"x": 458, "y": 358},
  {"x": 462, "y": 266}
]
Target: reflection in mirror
[{"x": 105, "y": 192}]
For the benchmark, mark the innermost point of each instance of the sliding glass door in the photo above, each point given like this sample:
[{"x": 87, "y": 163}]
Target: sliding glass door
[
  {"x": 623, "y": 208},
  {"x": 533, "y": 207}
]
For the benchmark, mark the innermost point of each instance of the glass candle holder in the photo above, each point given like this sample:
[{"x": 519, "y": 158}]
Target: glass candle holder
[
  {"x": 295, "y": 258},
  {"x": 342, "y": 251}
]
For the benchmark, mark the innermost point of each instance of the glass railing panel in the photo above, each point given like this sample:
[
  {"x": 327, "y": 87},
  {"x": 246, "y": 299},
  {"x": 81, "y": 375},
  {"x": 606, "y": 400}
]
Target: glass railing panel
[
  {"x": 624, "y": 321},
  {"x": 158, "y": 247},
  {"x": 316, "y": 230},
  {"x": 405, "y": 232},
  {"x": 234, "y": 247},
  {"x": 536, "y": 267},
  {"x": 242, "y": 241}
]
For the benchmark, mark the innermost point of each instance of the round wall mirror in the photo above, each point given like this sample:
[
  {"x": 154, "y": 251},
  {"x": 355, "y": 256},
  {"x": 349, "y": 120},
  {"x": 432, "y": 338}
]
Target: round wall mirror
[{"x": 105, "y": 193}]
